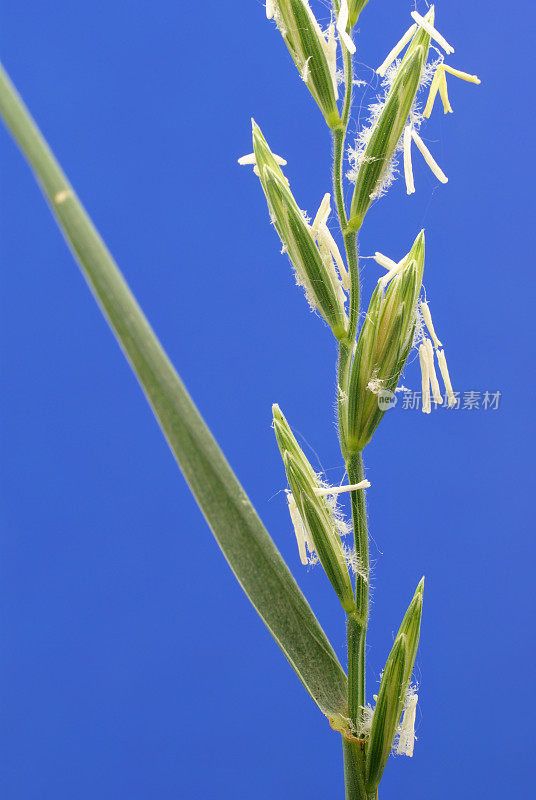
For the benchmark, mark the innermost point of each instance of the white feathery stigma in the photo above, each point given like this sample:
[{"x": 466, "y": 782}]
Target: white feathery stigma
[
  {"x": 429, "y": 324},
  {"x": 406, "y": 732},
  {"x": 305, "y": 71}
]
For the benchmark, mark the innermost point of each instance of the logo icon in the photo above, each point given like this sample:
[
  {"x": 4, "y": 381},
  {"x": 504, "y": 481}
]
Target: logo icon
[{"x": 386, "y": 399}]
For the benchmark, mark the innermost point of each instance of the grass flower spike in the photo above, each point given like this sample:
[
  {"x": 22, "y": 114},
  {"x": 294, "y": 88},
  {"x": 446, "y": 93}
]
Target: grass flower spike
[
  {"x": 375, "y": 159},
  {"x": 387, "y": 714},
  {"x": 314, "y": 514},
  {"x": 314, "y": 267},
  {"x": 329, "y": 519},
  {"x": 312, "y": 50},
  {"x": 383, "y": 346},
  {"x": 355, "y": 8}
]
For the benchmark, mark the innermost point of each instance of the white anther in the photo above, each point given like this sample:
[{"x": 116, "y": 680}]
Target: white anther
[
  {"x": 434, "y": 166},
  {"x": 429, "y": 28},
  {"x": 408, "y": 169},
  {"x": 392, "y": 272},
  {"x": 342, "y": 23},
  {"x": 249, "y": 159},
  {"x": 353, "y": 487},
  {"x": 335, "y": 252},
  {"x": 384, "y": 261},
  {"x": 425, "y": 380},
  {"x": 436, "y": 391},
  {"x": 302, "y": 538},
  {"x": 397, "y": 49},
  {"x": 442, "y": 361},
  {"x": 322, "y": 215}
]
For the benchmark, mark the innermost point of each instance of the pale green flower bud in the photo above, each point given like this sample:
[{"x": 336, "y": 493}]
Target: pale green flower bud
[
  {"x": 313, "y": 272},
  {"x": 355, "y": 7},
  {"x": 263, "y": 155},
  {"x": 411, "y": 628},
  {"x": 387, "y": 713},
  {"x": 375, "y": 160},
  {"x": 313, "y": 53},
  {"x": 383, "y": 346},
  {"x": 316, "y": 514},
  {"x": 395, "y": 692}
]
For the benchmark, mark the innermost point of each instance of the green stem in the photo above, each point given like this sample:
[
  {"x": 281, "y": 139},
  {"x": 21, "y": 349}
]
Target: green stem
[
  {"x": 350, "y": 237},
  {"x": 342, "y": 381},
  {"x": 356, "y": 639},
  {"x": 348, "y": 86},
  {"x": 352, "y": 257},
  {"x": 357, "y": 621},
  {"x": 339, "y": 136},
  {"x": 353, "y": 770}
]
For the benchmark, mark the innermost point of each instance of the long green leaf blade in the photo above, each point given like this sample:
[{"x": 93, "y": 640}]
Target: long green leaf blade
[{"x": 246, "y": 544}]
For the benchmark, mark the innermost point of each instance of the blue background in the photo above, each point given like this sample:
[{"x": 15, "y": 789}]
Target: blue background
[{"x": 131, "y": 663}]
